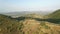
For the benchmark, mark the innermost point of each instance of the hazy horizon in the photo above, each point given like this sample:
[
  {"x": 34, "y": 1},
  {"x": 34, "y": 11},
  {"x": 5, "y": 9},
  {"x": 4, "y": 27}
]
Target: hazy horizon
[{"x": 29, "y": 5}]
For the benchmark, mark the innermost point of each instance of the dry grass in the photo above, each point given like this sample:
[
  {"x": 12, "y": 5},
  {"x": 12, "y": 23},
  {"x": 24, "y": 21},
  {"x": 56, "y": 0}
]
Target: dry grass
[{"x": 36, "y": 27}]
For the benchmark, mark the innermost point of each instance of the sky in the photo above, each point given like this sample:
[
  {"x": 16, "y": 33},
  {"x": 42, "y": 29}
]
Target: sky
[{"x": 29, "y": 5}]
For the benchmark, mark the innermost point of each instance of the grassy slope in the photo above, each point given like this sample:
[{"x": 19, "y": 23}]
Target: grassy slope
[{"x": 55, "y": 15}]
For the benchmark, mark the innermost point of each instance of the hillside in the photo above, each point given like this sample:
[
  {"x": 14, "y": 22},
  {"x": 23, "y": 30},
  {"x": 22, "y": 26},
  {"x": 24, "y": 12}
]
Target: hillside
[
  {"x": 55, "y": 15},
  {"x": 28, "y": 24},
  {"x": 8, "y": 25}
]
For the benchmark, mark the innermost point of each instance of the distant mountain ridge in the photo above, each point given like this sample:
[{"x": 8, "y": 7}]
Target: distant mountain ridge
[{"x": 22, "y": 13}]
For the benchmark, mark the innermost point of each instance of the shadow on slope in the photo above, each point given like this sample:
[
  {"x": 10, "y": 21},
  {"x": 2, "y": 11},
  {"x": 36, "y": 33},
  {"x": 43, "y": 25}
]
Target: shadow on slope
[{"x": 57, "y": 21}]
